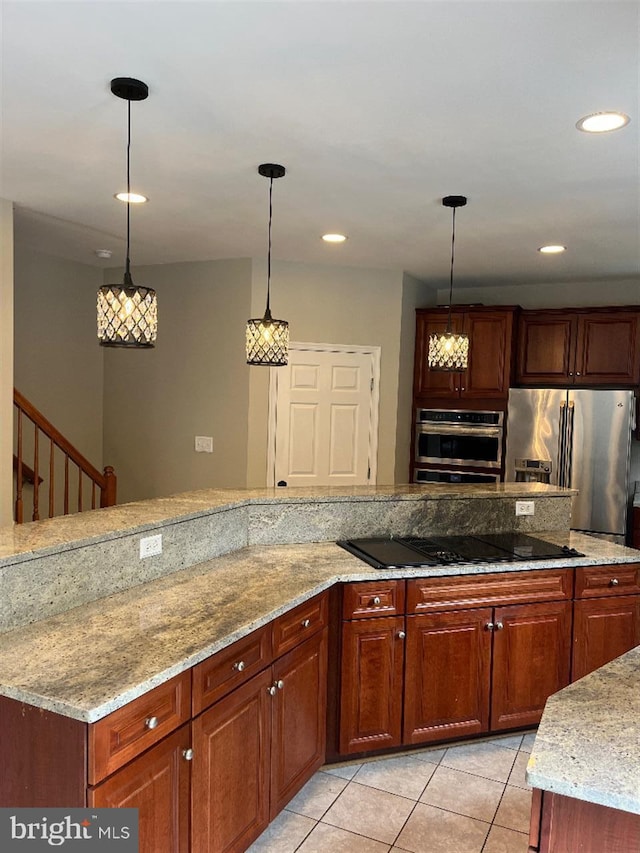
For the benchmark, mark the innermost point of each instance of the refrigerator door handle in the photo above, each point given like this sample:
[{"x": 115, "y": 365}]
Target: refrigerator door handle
[
  {"x": 569, "y": 444},
  {"x": 562, "y": 434}
]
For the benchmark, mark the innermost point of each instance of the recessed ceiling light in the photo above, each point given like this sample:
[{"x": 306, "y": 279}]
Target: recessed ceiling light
[
  {"x": 132, "y": 198},
  {"x": 334, "y": 238},
  {"x": 602, "y": 122},
  {"x": 552, "y": 250}
]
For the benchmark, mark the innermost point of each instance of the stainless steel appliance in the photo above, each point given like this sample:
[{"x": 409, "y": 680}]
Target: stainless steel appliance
[
  {"x": 437, "y": 475},
  {"x": 472, "y": 439},
  {"x": 575, "y": 438},
  {"x": 389, "y": 552}
]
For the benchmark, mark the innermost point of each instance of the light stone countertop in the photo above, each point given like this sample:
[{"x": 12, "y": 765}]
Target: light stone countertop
[
  {"x": 588, "y": 741},
  {"x": 55, "y": 535},
  {"x": 91, "y": 660}
]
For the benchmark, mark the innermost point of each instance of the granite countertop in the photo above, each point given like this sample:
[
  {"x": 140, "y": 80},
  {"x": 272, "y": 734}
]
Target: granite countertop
[
  {"x": 96, "y": 658},
  {"x": 588, "y": 742},
  {"x": 61, "y": 533}
]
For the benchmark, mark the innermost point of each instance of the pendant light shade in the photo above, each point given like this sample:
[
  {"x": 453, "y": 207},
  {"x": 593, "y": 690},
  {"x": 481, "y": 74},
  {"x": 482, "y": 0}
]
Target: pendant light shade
[
  {"x": 267, "y": 339},
  {"x": 127, "y": 314},
  {"x": 449, "y": 351}
]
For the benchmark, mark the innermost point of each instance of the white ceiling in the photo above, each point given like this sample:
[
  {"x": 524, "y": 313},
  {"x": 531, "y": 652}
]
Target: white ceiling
[{"x": 377, "y": 110}]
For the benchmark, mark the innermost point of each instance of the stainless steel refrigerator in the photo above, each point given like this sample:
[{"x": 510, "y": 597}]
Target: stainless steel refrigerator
[{"x": 579, "y": 439}]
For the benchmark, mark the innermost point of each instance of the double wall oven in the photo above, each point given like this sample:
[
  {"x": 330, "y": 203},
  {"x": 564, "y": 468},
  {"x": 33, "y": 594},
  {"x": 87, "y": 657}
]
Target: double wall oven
[{"x": 457, "y": 446}]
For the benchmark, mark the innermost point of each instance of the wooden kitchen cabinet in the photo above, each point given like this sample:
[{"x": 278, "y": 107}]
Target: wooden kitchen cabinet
[
  {"x": 158, "y": 784},
  {"x": 488, "y": 372},
  {"x": 255, "y": 748},
  {"x": 579, "y": 348},
  {"x": 606, "y": 615}
]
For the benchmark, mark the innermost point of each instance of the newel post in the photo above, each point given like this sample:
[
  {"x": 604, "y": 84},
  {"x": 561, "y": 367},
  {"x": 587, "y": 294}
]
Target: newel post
[{"x": 108, "y": 492}]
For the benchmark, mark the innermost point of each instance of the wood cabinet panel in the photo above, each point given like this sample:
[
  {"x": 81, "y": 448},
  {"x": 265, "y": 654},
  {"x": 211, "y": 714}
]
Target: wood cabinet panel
[
  {"x": 298, "y": 727},
  {"x": 544, "y": 354},
  {"x": 295, "y": 626},
  {"x": 229, "y": 668},
  {"x": 448, "y": 669},
  {"x": 371, "y": 684},
  {"x": 127, "y": 732},
  {"x": 530, "y": 660},
  {"x": 607, "y": 351},
  {"x": 365, "y": 599},
  {"x": 431, "y": 383},
  {"x": 488, "y": 373},
  {"x": 158, "y": 785},
  {"x": 598, "y": 581},
  {"x": 575, "y": 826},
  {"x": 230, "y": 776},
  {"x": 603, "y": 629},
  {"x": 446, "y": 593}
]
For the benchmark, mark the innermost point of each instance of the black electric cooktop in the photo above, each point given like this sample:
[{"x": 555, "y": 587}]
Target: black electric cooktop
[{"x": 405, "y": 552}]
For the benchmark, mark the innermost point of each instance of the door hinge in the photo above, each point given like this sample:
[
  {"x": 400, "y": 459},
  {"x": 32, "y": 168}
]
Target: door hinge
[
  {"x": 368, "y": 472},
  {"x": 371, "y": 384}
]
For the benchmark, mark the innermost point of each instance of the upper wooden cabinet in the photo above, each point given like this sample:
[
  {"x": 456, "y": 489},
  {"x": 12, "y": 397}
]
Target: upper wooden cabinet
[
  {"x": 589, "y": 347},
  {"x": 488, "y": 372}
]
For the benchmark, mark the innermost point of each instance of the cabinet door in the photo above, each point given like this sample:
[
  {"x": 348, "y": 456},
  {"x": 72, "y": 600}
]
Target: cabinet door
[
  {"x": 490, "y": 339},
  {"x": 433, "y": 384},
  {"x": 545, "y": 349},
  {"x": 608, "y": 349},
  {"x": 158, "y": 785},
  {"x": 371, "y": 684},
  {"x": 603, "y": 629},
  {"x": 298, "y": 719},
  {"x": 448, "y": 666},
  {"x": 230, "y": 775},
  {"x": 531, "y": 655}
]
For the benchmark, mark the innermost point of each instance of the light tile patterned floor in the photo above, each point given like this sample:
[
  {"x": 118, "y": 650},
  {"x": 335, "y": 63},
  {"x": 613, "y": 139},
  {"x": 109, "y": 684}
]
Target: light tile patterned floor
[{"x": 466, "y": 798}]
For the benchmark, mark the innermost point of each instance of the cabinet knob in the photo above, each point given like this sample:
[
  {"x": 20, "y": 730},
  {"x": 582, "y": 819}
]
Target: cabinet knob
[
  {"x": 463, "y": 388},
  {"x": 279, "y": 684},
  {"x": 377, "y": 600},
  {"x": 499, "y": 626},
  {"x": 578, "y": 373},
  {"x": 239, "y": 665},
  {"x": 272, "y": 690},
  {"x": 305, "y": 623},
  {"x": 489, "y": 626},
  {"x": 401, "y": 635},
  {"x": 614, "y": 582},
  {"x": 187, "y": 754},
  {"x": 570, "y": 373},
  {"x": 151, "y": 722}
]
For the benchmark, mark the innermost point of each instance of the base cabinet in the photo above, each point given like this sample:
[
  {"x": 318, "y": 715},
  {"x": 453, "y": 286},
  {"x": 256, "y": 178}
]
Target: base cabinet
[
  {"x": 604, "y": 629},
  {"x": 254, "y": 749}
]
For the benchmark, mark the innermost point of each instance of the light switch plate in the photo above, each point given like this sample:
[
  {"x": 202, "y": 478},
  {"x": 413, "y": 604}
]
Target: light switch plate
[
  {"x": 525, "y": 508},
  {"x": 204, "y": 444},
  {"x": 150, "y": 546}
]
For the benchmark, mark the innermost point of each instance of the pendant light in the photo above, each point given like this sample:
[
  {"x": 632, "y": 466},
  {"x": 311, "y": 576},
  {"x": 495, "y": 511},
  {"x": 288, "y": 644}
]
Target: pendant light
[
  {"x": 449, "y": 352},
  {"x": 127, "y": 313},
  {"x": 268, "y": 339}
]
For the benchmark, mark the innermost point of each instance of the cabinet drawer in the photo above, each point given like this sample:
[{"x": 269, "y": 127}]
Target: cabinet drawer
[
  {"x": 429, "y": 595},
  {"x": 366, "y": 599},
  {"x": 229, "y": 668},
  {"x": 116, "y": 739},
  {"x": 298, "y": 624},
  {"x": 594, "y": 581}
]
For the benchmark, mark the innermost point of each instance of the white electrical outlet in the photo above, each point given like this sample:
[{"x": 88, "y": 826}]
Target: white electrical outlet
[
  {"x": 525, "y": 508},
  {"x": 204, "y": 444},
  {"x": 150, "y": 546}
]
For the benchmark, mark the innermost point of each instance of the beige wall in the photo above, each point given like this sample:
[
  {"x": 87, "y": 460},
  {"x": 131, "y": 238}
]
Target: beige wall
[
  {"x": 6, "y": 362},
  {"x": 194, "y": 382},
  {"x": 331, "y": 304},
  {"x": 572, "y": 294}
]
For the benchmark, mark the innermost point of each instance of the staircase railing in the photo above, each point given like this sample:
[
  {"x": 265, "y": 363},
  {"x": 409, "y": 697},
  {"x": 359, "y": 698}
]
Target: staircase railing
[{"x": 76, "y": 468}]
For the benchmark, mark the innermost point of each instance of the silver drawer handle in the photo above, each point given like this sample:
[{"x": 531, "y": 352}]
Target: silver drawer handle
[
  {"x": 377, "y": 600},
  {"x": 239, "y": 665},
  {"x": 151, "y": 722},
  {"x": 305, "y": 623},
  {"x": 187, "y": 754},
  {"x": 401, "y": 635},
  {"x": 614, "y": 582}
]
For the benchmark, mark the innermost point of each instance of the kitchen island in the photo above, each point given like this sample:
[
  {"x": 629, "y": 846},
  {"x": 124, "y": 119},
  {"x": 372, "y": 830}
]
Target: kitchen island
[
  {"x": 585, "y": 764},
  {"x": 114, "y": 668}
]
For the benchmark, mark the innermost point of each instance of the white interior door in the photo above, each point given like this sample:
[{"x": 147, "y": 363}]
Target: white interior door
[{"x": 323, "y": 424}]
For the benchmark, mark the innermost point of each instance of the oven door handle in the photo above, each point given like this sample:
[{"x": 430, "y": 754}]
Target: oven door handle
[{"x": 455, "y": 429}]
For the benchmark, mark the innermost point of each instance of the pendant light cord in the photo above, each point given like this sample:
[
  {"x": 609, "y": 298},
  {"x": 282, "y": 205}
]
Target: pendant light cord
[
  {"x": 453, "y": 239},
  {"x": 128, "y": 281},
  {"x": 268, "y": 311}
]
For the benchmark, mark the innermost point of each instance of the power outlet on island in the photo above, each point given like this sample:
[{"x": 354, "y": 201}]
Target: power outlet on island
[
  {"x": 525, "y": 508},
  {"x": 150, "y": 546}
]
